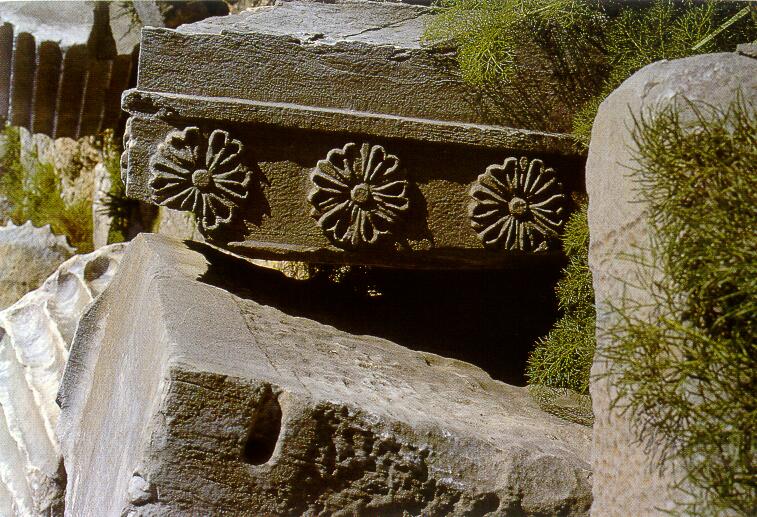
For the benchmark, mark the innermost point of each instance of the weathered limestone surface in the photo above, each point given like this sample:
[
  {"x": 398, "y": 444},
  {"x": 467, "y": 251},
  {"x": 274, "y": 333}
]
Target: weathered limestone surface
[
  {"x": 28, "y": 255},
  {"x": 35, "y": 335},
  {"x": 181, "y": 398},
  {"x": 625, "y": 482},
  {"x": 101, "y": 221},
  {"x": 328, "y": 132}
]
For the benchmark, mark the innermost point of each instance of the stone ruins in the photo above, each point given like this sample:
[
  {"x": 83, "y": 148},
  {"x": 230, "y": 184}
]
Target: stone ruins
[
  {"x": 625, "y": 480},
  {"x": 334, "y": 136},
  {"x": 176, "y": 376},
  {"x": 64, "y": 65}
]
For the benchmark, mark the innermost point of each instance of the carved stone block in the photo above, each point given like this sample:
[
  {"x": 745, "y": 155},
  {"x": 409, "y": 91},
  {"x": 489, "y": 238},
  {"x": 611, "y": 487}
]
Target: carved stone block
[
  {"x": 327, "y": 132},
  {"x": 235, "y": 405}
]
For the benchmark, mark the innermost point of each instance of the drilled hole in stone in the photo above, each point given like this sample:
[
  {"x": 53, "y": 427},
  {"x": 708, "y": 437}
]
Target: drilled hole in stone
[{"x": 264, "y": 431}]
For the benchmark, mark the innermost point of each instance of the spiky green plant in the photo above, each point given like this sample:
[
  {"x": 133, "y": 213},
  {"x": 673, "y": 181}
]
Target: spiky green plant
[
  {"x": 685, "y": 364},
  {"x": 641, "y": 35},
  {"x": 486, "y": 32},
  {"x": 561, "y": 361},
  {"x": 489, "y": 38},
  {"x": 36, "y": 195}
]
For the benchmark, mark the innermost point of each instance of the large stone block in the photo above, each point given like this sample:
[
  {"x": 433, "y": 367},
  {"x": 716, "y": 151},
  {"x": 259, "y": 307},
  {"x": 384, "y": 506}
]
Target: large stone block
[
  {"x": 626, "y": 480},
  {"x": 328, "y": 132},
  {"x": 182, "y": 398},
  {"x": 35, "y": 335}
]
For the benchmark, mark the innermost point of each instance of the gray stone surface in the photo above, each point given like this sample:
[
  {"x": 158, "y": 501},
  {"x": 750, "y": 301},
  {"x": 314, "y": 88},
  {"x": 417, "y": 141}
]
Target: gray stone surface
[
  {"x": 28, "y": 255},
  {"x": 291, "y": 94},
  {"x": 35, "y": 336},
  {"x": 230, "y": 404},
  {"x": 625, "y": 480},
  {"x": 177, "y": 225}
]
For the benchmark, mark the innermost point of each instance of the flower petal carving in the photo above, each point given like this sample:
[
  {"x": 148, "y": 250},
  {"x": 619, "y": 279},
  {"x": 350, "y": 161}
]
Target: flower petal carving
[
  {"x": 359, "y": 195},
  {"x": 205, "y": 176},
  {"x": 518, "y": 205}
]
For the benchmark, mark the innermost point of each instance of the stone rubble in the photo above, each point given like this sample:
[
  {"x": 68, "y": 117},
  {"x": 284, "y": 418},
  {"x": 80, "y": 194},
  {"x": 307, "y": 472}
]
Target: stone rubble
[{"x": 28, "y": 255}]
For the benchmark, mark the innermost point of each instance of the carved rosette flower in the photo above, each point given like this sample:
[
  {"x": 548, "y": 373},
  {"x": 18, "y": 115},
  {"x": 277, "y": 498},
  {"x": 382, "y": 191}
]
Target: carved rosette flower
[
  {"x": 206, "y": 177},
  {"x": 359, "y": 195},
  {"x": 517, "y": 206}
]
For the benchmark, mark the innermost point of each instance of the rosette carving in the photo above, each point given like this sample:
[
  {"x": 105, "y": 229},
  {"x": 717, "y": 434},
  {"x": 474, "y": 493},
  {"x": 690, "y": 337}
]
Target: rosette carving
[
  {"x": 518, "y": 205},
  {"x": 203, "y": 175},
  {"x": 359, "y": 195}
]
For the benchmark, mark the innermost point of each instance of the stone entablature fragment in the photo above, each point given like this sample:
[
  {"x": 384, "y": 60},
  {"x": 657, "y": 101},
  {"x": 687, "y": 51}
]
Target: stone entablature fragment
[
  {"x": 232, "y": 406},
  {"x": 297, "y": 98}
]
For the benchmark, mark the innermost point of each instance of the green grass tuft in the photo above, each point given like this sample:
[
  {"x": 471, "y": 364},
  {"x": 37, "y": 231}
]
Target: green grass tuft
[
  {"x": 689, "y": 376},
  {"x": 36, "y": 196}
]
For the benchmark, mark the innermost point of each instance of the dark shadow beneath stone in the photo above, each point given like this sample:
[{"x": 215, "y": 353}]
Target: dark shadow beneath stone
[{"x": 490, "y": 318}]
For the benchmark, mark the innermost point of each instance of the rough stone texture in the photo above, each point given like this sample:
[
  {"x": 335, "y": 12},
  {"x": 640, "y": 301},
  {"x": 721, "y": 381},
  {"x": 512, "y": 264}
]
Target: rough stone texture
[
  {"x": 28, "y": 255},
  {"x": 291, "y": 94},
  {"x": 177, "y": 225},
  {"x": 35, "y": 336},
  {"x": 174, "y": 407},
  {"x": 625, "y": 482}
]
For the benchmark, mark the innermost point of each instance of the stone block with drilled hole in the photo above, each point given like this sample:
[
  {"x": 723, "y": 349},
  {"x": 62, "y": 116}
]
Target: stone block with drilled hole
[
  {"x": 183, "y": 398},
  {"x": 328, "y": 132}
]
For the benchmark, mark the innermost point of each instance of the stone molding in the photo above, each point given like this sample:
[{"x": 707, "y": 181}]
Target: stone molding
[{"x": 291, "y": 96}]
